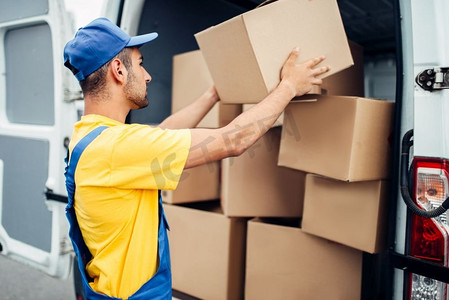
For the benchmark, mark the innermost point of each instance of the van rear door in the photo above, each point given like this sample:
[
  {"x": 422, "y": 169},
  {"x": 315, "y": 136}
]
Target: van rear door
[
  {"x": 421, "y": 244},
  {"x": 36, "y": 116}
]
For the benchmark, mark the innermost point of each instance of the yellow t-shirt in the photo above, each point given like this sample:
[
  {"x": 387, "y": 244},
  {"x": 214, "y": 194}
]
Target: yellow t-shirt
[{"x": 116, "y": 199}]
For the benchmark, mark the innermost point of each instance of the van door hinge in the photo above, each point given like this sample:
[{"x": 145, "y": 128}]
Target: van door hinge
[
  {"x": 433, "y": 79},
  {"x": 70, "y": 95}
]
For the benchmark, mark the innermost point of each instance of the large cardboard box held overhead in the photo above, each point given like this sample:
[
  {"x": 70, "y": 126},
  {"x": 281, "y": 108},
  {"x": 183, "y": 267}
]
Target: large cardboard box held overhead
[
  {"x": 350, "y": 213},
  {"x": 285, "y": 263},
  {"x": 254, "y": 185},
  {"x": 191, "y": 79},
  {"x": 246, "y": 53},
  {"x": 207, "y": 251},
  {"x": 196, "y": 184},
  {"x": 345, "y": 138}
]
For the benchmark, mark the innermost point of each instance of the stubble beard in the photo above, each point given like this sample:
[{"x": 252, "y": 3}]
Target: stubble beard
[{"x": 135, "y": 94}]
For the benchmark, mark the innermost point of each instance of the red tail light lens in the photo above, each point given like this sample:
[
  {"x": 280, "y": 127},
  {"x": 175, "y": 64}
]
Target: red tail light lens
[
  {"x": 428, "y": 240},
  {"x": 429, "y": 237}
]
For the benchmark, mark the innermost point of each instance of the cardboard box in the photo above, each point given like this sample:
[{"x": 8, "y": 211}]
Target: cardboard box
[
  {"x": 350, "y": 213},
  {"x": 345, "y": 138},
  {"x": 254, "y": 185},
  {"x": 196, "y": 184},
  {"x": 191, "y": 79},
  {"x": 246, "y": 53},
  {"x": 349, "y": 82},
  {"x": 207, "y": 251},
  {"x": 285, "y": 263}
]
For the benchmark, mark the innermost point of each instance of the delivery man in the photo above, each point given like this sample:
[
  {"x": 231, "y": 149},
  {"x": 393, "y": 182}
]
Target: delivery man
[{"x": 116, "y": 170}]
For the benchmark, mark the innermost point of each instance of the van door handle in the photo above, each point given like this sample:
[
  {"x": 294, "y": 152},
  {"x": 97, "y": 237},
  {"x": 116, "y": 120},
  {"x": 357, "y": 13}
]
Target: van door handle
[{"x": 49, "y": 195}]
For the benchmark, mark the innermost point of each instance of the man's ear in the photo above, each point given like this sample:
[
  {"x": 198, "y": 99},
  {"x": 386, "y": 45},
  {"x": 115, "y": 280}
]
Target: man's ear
[{"x": 118, "y": 70}]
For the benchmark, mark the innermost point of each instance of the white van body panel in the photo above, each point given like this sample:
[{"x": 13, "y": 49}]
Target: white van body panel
[
  {"x": 111, "y": 10},
  {"x": 430, "y": 44},
  {"x": 130, "y": 18},
  {"x": 52, "y": 256},
  {"x": 425, "y": 44}
]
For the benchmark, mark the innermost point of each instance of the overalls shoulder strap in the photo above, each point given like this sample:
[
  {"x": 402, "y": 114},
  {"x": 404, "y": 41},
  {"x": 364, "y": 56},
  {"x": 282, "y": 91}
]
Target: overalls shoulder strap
[{"x": 74, "y": 158}]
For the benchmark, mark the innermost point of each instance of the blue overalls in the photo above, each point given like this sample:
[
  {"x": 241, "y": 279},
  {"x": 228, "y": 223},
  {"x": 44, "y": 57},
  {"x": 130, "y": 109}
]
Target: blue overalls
[{"x": 159, "y": 286}]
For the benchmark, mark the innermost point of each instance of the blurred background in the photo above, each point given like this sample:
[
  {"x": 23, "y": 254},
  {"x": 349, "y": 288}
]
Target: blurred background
[{"x": 83, "y": 11}]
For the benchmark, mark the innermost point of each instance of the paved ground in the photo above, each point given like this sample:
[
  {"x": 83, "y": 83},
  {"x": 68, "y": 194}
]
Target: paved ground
[{"x": 21, "y": 282}]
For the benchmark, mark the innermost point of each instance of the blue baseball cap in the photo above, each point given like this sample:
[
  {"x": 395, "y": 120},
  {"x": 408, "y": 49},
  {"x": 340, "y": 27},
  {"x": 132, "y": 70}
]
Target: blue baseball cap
[{"x": 97, "y": 43}]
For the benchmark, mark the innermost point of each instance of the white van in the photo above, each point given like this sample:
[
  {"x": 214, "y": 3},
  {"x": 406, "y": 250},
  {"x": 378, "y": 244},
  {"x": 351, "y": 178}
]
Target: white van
[{"x": 406, "y": 59}]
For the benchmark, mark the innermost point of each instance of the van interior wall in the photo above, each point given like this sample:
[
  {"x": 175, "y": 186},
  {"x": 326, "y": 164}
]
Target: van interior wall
[
  {"x": 370, "y": 23},
  {"x": 367, "y": 22}
]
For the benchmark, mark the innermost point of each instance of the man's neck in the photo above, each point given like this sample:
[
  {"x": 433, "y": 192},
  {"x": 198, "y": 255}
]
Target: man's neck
[{"x": 108, "y": 108}]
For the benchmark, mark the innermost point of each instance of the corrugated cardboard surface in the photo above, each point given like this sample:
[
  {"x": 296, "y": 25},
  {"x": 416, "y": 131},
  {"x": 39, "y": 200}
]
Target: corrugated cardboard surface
[
  {"x": 353, "y": 214},
  {"x": 285, "y": 263},
  {"x": 349, "y": 82},
  {"x": 196, "y": 184},
  {"x": 254, "y": 185},
  {"x": 191, "y": 79},
  {"x": 233, "y": 67},
  {"x": 245, "y": 54},
  {"x": 207, "y": 252},
  {"x": 345, "y": 138},
  {"x": 227, "y": 113}
]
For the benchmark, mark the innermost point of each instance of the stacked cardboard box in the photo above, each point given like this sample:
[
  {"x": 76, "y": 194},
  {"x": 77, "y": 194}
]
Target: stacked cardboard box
[
  {"x": 207, "y": 251},
  {"x": 228, "y": 248},
  {"x": 283, "y": 262},
  {"x": 351, "y": 213},
  {"x": 207, "y": 247},
  {"x": 196, "y": 184},
  {"x": 253, "y": 185},
  {"x": 343, "y": 143},
  {"x": 191, "y": 78}
]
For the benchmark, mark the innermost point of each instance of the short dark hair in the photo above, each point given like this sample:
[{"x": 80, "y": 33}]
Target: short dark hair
[{"x": 95, "y": 82}]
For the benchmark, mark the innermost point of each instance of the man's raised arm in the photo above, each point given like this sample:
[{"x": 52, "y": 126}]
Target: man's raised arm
[{"x": 191, "y": 115}]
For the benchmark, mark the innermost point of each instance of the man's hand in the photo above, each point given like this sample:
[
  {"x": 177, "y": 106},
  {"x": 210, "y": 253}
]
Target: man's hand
[{"x": 301, "y": 77}]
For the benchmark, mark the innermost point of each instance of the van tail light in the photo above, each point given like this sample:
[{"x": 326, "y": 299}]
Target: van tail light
[{"x": 429, "y": 237}]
